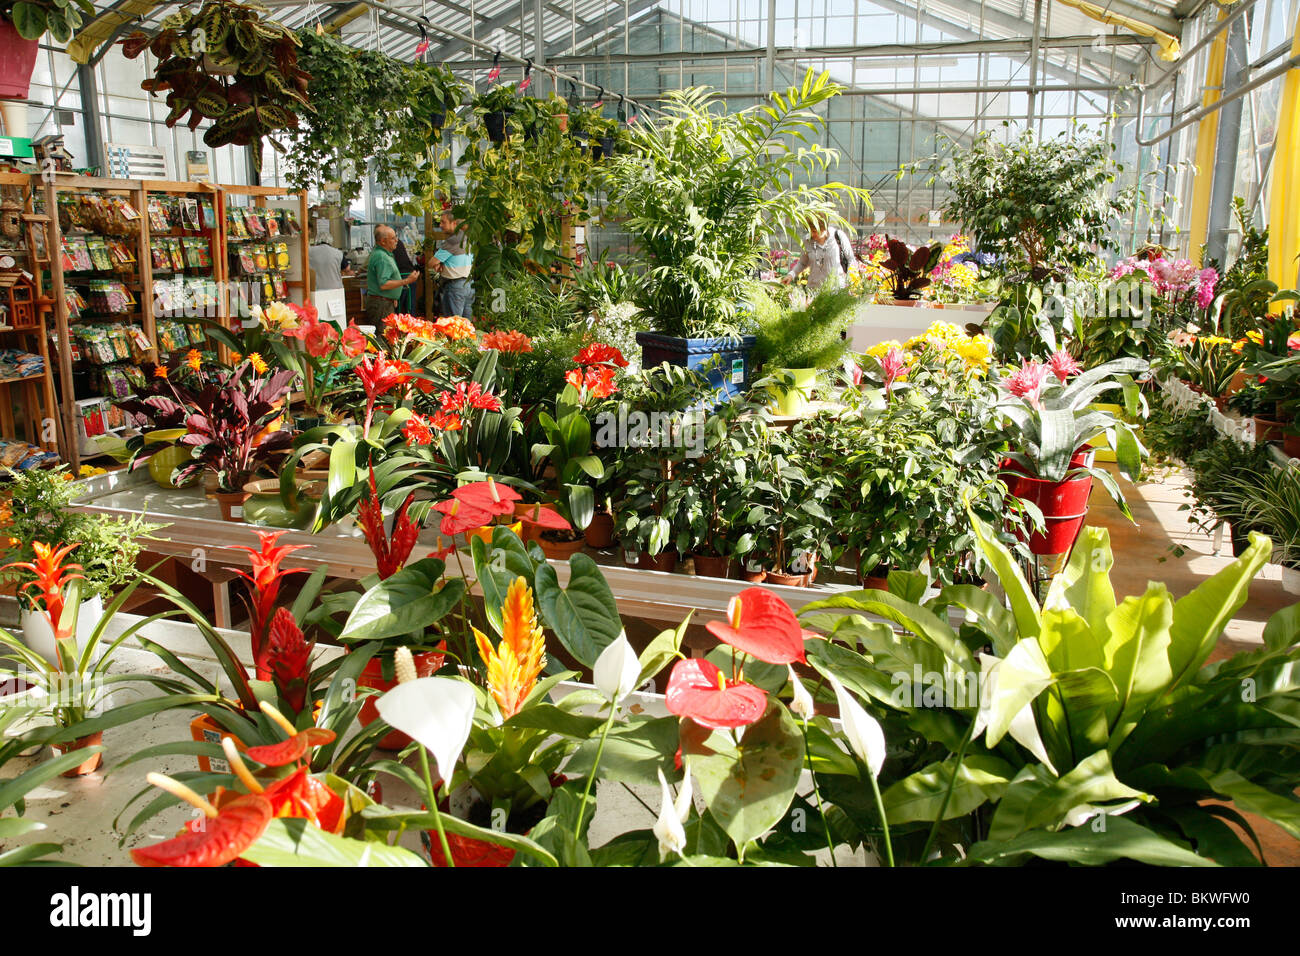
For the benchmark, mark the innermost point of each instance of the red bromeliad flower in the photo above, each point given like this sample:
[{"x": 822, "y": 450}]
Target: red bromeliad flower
[
  {"x": 288, "y": 654},
  {"x": 507, "y": 342},
  {"x": 52, "y": 576},
  {"x": 354, "y": 340},
  {"x": 599, "y": 354},
  {"x": 390, "y": 553},
  {"x": 416, "y": 430},
  {"x": 265, "y": 589},
  {"x": 489, "y": 496},
  {"x": 761, "y": 624},
  {"x": 1027, "y": 382},
  {"x": 1062, "y": 364},
  {"x": 698, "y": 689},
  {"x": 893, "y": 364}
]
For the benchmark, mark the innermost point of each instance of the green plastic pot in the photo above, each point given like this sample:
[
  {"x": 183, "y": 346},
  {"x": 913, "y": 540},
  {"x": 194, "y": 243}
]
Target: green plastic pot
[
  {"x": 793, "y": 401},
  {"x": 163, "y": 463}
]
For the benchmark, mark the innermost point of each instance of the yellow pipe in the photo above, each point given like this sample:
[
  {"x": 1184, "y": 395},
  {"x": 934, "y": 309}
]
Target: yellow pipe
[
  {"x": 1284, "y": 192},
  {"x": 1207, "y": 134}
]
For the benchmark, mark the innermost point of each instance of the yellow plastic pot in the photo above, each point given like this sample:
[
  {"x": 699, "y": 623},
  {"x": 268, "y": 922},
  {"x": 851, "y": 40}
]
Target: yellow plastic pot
[{"x": 794, "y": 400}]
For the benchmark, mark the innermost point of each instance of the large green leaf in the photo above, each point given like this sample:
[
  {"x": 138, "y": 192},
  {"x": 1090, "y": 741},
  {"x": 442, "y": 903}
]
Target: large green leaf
[
  {"x": 855, "y": 672},
  {"x": 748, "y": 789},
  {"x": 921, "y": 621},
  {"x": 584, "y": 615},
  {"x": 295, "y": 842},
  {"x": 406, "y": 603},
  {"x": 1075, "y": 708},
  {"x": 981, "y": 779},
  {"x": 1137, "y": 652},
  {"x": 381, "y": 817},
  {"x": 1200, "y": 617},
  {"x": 1284, "y": 811},
  {"x": 1085, "y": 846},
  {"x": 1091, "y": 782},
  {"x": 1024, "y": 607},
  {"x": 1085, "y": 583},
  {"x": 634, "y": 751}
]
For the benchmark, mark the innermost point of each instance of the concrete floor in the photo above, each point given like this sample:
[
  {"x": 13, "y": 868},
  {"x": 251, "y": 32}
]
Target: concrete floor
[{"x": 80, "y": 813}]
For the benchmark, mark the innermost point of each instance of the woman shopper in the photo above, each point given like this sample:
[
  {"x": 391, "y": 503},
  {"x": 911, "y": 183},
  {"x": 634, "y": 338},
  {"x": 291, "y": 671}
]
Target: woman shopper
[{"x": 827, "y": 257}]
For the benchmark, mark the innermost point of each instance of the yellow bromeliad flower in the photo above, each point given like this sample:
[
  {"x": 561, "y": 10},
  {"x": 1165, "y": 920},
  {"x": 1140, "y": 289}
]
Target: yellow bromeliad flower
[
  {"x": 514, "y": 665},
  {"x": 1256, "y": 336}
]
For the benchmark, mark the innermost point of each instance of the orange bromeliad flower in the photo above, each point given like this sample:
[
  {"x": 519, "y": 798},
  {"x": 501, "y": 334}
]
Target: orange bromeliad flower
[
  {"x": 513, "y": 667},
  {"x": 193, "y": 359},
  {"x": 160, "y": 371},
  {"x": 52, "y": 576},
  {"x": 258, "y": 363}
]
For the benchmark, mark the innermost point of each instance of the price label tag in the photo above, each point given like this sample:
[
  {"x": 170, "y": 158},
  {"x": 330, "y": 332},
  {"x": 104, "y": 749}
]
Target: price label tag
[
  {"x": 737, "y": 371},
  {"x": 336, "y": 307},
  {"x": 934, "y": 218}
]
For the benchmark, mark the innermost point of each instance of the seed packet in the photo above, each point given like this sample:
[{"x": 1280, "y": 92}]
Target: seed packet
[
  {"x": 272, "y": 223},
  {"x": 99, "y": 255},
  {"x": 115, "y": 383},
  {"x": 72, "y": 215},
  {"x": 197, "y": 253},
  {"x": 157, "y": 214},
  {"x": 281, "y": 255},
  {"x": 76, "y": 257},
  {"x": 207, "y": 215},
  {"x": 280, "y": 287},
  {"x": 236, "y": 227},
  {"x": 189, "y": 213},
  {"x": 134, "y": 375},
  {"x": 256, "y": 226},
  {"x": 261, "y": 258}
]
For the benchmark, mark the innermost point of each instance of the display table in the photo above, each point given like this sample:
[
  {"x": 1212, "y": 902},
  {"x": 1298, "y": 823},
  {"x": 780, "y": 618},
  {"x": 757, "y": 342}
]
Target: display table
[{"x": 195, "y": 533}]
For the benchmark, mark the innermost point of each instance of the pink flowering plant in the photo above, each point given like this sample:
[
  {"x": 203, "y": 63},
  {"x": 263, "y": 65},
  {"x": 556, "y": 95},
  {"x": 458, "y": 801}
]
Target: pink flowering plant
[{"x": 1047, "y": 418}]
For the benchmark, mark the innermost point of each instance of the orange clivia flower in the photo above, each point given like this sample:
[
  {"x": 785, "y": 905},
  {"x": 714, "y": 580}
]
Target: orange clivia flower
[
  {"x": 194, "y": 360},
  {"x": 455, "y": 328},
  {"x": 507, "y": 342},
  {"x": 514, "y": 665}
]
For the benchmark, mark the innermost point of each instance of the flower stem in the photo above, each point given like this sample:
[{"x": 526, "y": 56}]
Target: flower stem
[
  {"x": 591, "y": 777},
  {"x": 817, "y": 794},
  {"x": 952, "y": 783},
  {"x": 884, "y": 821},
  {"x": 433, "y": 805}
]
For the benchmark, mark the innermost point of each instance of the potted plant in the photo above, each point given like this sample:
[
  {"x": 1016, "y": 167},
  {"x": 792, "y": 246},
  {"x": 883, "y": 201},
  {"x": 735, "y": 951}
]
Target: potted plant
[
  {"x": 1049, "y": 424},
  {"x": 908, "y": 269},
  {"x": 22, "y": 24},
  {"x": 225, "y": 63},
  {"x": 234, "y": 421},
  {"x": 787, "y": 518},
  {"x": 791, "y": 345},
  {"x": 494, "y": 106},
  {"x": 40, "y": 509},
  {"x": 1209, "y": 364},
  {"x": 701, "y": 193},
  {"x": 570, "y": 453}
]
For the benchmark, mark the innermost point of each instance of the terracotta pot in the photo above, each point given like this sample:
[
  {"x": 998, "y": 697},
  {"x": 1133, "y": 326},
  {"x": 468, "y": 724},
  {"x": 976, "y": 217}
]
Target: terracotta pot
[
  {"x": 91, "y": 763},
  {"x": 874, "y": 582},
  {"x": 600, "y": 533},
  {"x": 752, "y": 576},
  {"x": 1268, "y": 429},
  {"x": 530, "y": 531},
  {"x": 232, "y": 504},
  {"x": 906, "y": 303},
  {"x": 665, "y": 560},
  {"x": 206, "y": 730},
  {"x": 426, "y": 665},
  {"x": 1221, "y": 402},
  {"x": 712, "y": 566},
  {"x": 560, "y": 550},
  {"x": 1291, "y": 445},
  {"x": 787, "y": 580}
]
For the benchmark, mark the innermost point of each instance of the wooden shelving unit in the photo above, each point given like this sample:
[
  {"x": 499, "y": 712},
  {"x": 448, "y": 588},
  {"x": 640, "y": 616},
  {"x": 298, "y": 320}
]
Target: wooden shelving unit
[{"x": 263, "y": 198}]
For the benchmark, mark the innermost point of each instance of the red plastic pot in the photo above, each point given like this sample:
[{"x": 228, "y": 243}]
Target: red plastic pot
[
  {"x": 600, "y": 533},
  {"x": 426, "y": 665},
  {"x": 17, "y": 59},
  {"x": 1064, "y": 504}
]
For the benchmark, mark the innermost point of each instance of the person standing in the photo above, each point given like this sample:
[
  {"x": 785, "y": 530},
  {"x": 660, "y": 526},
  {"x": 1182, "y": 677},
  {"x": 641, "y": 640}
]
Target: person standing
[
  {"x": 827, "y": 257},
  {"x": 384, "y": 282},
  {"x": 328, "y": 266},
  {"x": 454, "y": 262}
]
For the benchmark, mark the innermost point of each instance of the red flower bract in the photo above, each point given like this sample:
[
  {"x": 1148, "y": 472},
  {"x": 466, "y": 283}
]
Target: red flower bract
[
  {"x": 218, "y": 841},
  {"x": 288, "y": 654},
  {"x": 390, "y": 552},
  {"x": 762, "y": 625},
  {"x": 490, "y": 496},
  {"x": 697, "y": 689},
  {"x": 265, "y": 581}
]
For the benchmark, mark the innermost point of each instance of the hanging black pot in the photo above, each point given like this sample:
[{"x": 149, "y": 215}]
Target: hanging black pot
[
  {"x": 530, "y": 132},
  {"x": 437, "y": 120},
  {"x": 597, "y": 152},
  {"x": 607, "y": 145},
  {"x": 495, "y": 123}
]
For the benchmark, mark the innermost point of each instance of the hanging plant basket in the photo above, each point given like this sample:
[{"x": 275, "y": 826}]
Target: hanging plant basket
[
  {"x": 495, "y": 124},
  {"x": 17, "y": 59}
]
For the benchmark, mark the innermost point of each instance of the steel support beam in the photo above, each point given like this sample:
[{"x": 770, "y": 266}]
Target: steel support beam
[
  {"x": 483, "y": 29},
  {"x": 1228, "y": 144},
  {"x": 90, "y": 112},
  {"x": 597, "y": 31}
]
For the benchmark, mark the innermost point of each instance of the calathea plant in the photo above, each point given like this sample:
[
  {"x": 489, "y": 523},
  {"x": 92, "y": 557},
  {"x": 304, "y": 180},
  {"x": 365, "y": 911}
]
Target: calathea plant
[{"x": 909, "y": 268}]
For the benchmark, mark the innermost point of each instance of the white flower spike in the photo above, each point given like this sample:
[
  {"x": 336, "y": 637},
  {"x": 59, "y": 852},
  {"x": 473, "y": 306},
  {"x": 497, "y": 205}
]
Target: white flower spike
[
  {"x": 863, "y": 731},
  {"x": 802, "y": 704},
  {"x": 437, "y": 712},
  {"x": 617, "y": 670},
  {"x": 668, "y": 829}
]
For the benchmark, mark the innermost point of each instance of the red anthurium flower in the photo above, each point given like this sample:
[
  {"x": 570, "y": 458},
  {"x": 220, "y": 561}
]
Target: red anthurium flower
[
  {"x": 390, "y": 552},
  {"x": 761, "y": 624},
  {"x": 698, "y": 689},
  {"x": 598, "y": 353},
  {"x": 265, "y": 582},
  {"x": 489, "y": 496},
  {"x": 52, "y": 576},
  {"x": 213, "y": 841},
  {"x": 461, "y": 517},
  {"x": 303, "y": 796},
  {"x": 546, "y": 518},
  {"x": 292, "y": 750},
  {"x": 288, "y": 652}
]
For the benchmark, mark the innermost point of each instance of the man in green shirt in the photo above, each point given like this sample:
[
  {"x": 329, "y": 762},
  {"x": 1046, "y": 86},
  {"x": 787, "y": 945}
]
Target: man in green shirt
[{"x": 384, "y": 280}]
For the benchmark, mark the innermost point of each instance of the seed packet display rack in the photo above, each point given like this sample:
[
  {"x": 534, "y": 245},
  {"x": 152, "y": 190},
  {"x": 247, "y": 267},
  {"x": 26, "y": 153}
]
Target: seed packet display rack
[
  {"x": 247, "y": 277},
  {"x": 23, "y": 291}
]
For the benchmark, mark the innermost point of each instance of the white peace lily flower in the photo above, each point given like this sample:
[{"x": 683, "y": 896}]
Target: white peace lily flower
[
  {"x": 617, "y": 670},
  {"x": 864, "y": 733},
  {"x": 802, "y": 705},
  {"x": 436, "y": 712},
  {"x": 668, "y": 829}
]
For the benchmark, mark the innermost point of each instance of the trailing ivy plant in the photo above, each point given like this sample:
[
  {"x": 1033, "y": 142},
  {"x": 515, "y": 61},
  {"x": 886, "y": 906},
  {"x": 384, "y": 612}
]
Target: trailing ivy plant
[
  {"x": 228, "y": 64},
  {"x": 1037, "y": 202}
]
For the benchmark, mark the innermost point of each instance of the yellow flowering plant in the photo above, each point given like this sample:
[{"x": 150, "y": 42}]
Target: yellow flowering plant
[{"x": 1208, "y": 362}]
